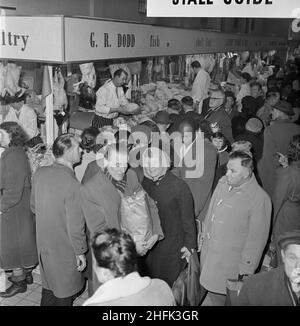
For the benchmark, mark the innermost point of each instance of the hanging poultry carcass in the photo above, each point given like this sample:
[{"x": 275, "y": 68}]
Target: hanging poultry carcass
[
  {"x": 88, "y": 74},
  {"x": 11, "y": 81},
  {"x": 59, "y": 95},
  {"x": 3, "y": 70}
]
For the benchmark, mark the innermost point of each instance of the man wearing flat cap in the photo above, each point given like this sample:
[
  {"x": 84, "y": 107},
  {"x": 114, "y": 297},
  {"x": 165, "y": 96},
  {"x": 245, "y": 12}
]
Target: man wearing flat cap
[
  {"x": 276, "y": 140},
  {"x": 280, "y": 286}
]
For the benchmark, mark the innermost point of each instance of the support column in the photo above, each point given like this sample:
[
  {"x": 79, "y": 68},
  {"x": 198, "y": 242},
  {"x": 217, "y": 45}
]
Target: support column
[{"x": 49, "y": 112}]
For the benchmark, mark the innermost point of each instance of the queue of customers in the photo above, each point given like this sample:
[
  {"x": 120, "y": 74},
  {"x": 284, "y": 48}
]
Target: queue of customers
[{"x": 243, "y": 204}]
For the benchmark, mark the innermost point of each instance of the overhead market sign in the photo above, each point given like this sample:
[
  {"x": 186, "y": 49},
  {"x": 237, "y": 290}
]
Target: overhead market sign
[
  {"x": 31, "y": 38},
  {"x": 76, "y": 39},
  {"x": 222, "y": 8},
  {"x": 87, "y": 39}
]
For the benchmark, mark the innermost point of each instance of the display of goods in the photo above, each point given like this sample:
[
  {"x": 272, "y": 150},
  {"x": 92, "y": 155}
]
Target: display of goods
[
  {"x": 9, "y": 79},
  {"x": 88, "y": 74},
  {"x": 38, "y": 156},
  {"x": 60, "y": 101},
  {"x": 135, "y": 67},
  {"x": 132, "y": 107},
  {"x": 156, "y": 96},
  {"x": 3, "y": 71}
]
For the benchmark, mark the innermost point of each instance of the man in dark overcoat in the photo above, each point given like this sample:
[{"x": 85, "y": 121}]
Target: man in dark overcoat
[{"x": 60, "y": 225}]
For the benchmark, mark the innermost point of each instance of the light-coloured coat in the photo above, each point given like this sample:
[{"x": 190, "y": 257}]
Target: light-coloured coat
[{"x": 236, "y": 230}]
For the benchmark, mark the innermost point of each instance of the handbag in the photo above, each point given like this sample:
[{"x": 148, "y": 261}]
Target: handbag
[
  {"x": 233, "y": 288},
  {"x": 187, "y": 289}
]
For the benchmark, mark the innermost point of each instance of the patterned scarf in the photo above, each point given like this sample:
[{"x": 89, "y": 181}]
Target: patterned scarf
[{"x": 119, "y": 184}]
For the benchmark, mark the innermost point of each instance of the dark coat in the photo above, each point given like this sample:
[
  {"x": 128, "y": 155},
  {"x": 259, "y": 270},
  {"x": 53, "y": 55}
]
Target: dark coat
[
  {"x": 17, "y": 224},
  {"x": 175, "y": 122},
  {"x": 265, "y": 289},
  {"x": 101, "y": 200},
  {"x": 175, "y": 209},
  {"x": 201, "y": 187},
  {"x": 276, "y": 139},
  {"x": 60, "y": 228},
  {"x": 286, "y": 200}
]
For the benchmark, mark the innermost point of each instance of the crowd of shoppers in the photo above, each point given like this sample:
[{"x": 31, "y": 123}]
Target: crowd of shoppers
[{"x": 223, "y": 179}]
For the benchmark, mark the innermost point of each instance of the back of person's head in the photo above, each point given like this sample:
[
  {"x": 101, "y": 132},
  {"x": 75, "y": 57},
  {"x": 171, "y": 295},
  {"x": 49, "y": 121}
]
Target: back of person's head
[
  {"x": 115, "y": 250},
  {"x": 249, "y": 105},
  {"x": 293, "y": 152},
  {"x": 191, "y": 123},
  {"x": 187, "y": 100},
  {"x": 174, "y": 105},
  {"x": 195, "y": 64},
  {"x": 88, "y": 138},
  {"x": 151, "y": 125},
  {"x": 61, "y": 144},
  {"x": 245, "y": 157},
  {"x": 16, "y": 133},
  {"x": 204, "y": 127}
]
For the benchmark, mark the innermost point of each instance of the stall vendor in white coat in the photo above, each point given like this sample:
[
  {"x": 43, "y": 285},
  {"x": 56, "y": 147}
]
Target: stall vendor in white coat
[
  {"x": 25, "y": 116},
  {"x": 111, "y": 100},
  {"x": 200, "y": 85}
]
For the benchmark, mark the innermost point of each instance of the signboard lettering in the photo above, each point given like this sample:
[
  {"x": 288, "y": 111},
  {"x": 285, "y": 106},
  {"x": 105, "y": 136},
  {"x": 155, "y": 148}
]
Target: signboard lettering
[
  {"x": 126, "y": 40},
  {"x": 154, "y": 41},
  {"x": 10, "y": 39}
]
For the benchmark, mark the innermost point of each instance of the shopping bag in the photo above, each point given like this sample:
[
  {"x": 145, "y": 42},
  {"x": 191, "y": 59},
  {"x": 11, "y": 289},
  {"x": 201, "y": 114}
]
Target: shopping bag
[
  {"x": 3, "y": 280},
  {"x": 233, "y": 288},
  {"x": 187, "y": 289},
  {"x": 135, "y": 216}
]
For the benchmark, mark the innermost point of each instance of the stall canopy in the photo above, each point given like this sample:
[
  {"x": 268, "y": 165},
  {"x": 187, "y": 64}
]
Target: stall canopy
[{"x": 62, "y": 39}]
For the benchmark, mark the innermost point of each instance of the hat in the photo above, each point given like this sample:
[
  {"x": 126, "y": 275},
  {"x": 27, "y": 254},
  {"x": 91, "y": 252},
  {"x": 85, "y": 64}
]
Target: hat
[
  {"x": 254, "y": 125},
  {"x": 246, "y": 76},
  {"x": 162, "y": 117},
  {"x": 287, "y": 238},
  {"x": 284, "y": 107},
  {"x": 140, "y": 129},
  {"x": 272, "y": 90}
]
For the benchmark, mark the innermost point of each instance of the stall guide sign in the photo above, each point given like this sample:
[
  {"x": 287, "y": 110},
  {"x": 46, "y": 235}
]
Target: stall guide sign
[
  {"x": 61, "y": 39},
  {"x": 222, "y": 8}
]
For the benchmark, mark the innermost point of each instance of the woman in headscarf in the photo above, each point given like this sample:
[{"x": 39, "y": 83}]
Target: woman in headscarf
[{"x": 175, "y": 207}]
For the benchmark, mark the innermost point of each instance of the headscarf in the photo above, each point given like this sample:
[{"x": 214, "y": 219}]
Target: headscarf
[{"x": 154, "y": 155}]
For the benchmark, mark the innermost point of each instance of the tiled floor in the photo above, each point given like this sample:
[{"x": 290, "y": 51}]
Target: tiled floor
[{"x": 32, "y": 297}]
